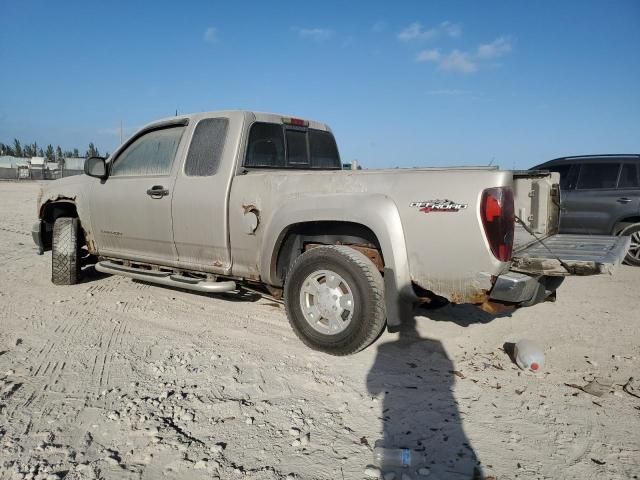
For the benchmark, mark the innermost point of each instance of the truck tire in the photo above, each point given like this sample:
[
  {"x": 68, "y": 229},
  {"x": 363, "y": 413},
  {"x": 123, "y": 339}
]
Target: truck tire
[
  {"x": 633, "y": 255},
  {"x": 334, "y": 298},
  {"x": 65, "y": 261}
]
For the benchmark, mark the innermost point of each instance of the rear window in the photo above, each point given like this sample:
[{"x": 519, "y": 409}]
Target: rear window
[
  {"x": 324, "y": 152},
  {"x": 598, "y": 175},
  {"x": 273, "y": 145},
  {"x": 629, "y": 177},
  {"x": 297, "y": 153}
]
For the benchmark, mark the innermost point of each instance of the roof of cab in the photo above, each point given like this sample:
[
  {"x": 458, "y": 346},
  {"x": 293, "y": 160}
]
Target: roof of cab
[{"x": 248, "y": 115}]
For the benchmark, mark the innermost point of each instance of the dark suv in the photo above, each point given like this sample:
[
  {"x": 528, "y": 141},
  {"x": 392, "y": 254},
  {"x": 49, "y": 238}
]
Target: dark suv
[{"x": 600, "y": 195}]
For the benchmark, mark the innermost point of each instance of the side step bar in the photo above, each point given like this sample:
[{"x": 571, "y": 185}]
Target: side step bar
[{"x": 165, "y": 278}]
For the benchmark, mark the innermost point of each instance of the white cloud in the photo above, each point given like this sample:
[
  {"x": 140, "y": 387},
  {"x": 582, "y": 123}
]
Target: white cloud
[
  {"x": 458, "y": 61},
  {"x": 452, "y": 29},
  {"x": 416, "y": 32},
  {"x": 318, "y": 34},
  {"x": 499, "y": 47},
  {"x": 210, "y": 35},
  {"x": 432, "y": 55},
  {"x": 447, "y": 92},
  {"x": 470, "y": 61}
]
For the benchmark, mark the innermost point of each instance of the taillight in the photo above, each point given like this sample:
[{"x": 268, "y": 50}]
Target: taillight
[{"x": 498, "y": 220}]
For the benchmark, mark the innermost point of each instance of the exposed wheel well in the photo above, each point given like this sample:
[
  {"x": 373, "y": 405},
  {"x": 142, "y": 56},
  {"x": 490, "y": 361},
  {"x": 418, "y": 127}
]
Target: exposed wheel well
[
  {"x": 302, "y": 236},
  {"x": 624, "y": 223},
  {"x": 50, "y": 212}
]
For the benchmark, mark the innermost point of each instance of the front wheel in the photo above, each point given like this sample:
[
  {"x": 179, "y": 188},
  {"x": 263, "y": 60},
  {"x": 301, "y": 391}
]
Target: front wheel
[
  {"x": 633, "y": 255},
  {"x": 334, "y": 297},
  {"x": 65, "y": 261}
]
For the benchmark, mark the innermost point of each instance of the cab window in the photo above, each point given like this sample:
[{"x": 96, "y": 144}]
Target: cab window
[
  {"x": 151, "y": 154},
  {"x": 273, "y": 145}
]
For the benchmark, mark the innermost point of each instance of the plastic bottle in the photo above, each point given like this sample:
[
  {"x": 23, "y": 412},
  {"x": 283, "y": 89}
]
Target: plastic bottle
[
  {"x": 394, "y": 457},
  {"x": 529, "y": 355}
]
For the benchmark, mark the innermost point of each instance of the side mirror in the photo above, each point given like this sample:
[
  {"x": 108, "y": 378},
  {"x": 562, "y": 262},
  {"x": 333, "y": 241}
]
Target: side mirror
[{"x": 95, "y": 167}]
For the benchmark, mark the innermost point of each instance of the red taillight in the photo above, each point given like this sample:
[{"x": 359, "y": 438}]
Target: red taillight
[{"x": 498, "y": 220}]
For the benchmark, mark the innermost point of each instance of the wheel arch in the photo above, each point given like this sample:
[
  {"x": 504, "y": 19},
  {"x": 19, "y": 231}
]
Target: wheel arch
[
  {"x": 623, "y": 222},
  {"x": 50, "y": 211},
  {"x": 369, "y": 217}
]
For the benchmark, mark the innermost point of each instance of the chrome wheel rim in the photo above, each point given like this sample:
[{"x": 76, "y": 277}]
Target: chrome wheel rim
[
  {"x": 634, "y": 247},
  {"x": 326, "y": 301}
]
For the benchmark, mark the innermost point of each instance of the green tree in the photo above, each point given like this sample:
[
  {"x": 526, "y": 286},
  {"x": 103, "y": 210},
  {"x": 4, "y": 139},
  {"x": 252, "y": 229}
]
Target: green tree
[
  {"x": 50, "y": 153},
  {"x": 17, "y": 148},
  {"x": 28, "y": 151},
  {"x": 76, "y": 153},
  {"x": 59, "y": 155},
  {"x": 93, "y": 151},
  {"x": 40, "y": 152}
]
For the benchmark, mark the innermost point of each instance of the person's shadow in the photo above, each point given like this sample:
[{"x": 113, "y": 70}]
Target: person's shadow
[{"x": 415, "y": 377}]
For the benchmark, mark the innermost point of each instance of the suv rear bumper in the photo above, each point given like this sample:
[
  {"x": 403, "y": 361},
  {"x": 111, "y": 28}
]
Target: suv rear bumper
[{"x": 522, "y": 289}]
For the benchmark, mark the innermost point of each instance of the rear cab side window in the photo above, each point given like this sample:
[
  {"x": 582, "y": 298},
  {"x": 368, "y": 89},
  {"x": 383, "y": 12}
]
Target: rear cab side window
[
  {"x": 598, "y": 176},
  {"x": 206, "y": 147},
  {"x": 272, "y": 145}
]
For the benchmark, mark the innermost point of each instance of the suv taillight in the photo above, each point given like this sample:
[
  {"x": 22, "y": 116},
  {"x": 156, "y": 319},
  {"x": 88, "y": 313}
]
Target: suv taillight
[{"x": 498, "y": 220}]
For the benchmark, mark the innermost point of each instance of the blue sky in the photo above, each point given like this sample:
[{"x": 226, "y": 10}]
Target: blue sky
[{"x": 400, "y": 83}]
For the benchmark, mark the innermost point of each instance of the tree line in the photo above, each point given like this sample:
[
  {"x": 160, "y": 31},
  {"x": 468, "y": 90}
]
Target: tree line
[{"x": 52, "y": 154}]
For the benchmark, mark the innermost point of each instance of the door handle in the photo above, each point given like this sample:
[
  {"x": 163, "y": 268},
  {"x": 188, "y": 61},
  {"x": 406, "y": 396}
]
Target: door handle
[
  {"x": 157, "y": 191},
  {"x": 623, "y": 200}
]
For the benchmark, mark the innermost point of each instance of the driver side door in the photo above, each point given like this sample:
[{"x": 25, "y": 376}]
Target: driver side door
[{"x": 131, "y": 209}]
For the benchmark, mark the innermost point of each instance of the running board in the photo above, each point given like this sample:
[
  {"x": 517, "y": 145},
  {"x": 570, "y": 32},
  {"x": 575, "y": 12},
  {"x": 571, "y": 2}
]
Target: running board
[{"x": 165, "y": 278}]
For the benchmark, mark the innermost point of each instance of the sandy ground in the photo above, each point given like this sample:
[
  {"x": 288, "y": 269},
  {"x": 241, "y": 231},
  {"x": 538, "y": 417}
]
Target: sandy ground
[{"x": 114, "y": 379}]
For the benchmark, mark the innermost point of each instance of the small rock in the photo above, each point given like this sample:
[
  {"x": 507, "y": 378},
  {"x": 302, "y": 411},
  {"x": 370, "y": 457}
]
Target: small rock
[
  {"x": 291, "y": 476},
  {"x": 200, "y": 465},
  {"x": 249, "y": 421},
  {"x": 113, "y": 416},
  {"x": 424, "y": 471},
  {"x": 294, "y": 431},
  {"x": 295, "y": 443},
  {"x": 187, "y": 417},
  {"x": 305, "y": 439},
  {"x": 216, "y": 448},
  {"x": 372, "y": 472}
]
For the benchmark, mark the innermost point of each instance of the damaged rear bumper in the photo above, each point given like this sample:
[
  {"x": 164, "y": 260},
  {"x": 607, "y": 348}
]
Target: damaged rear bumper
[{"x": 523, "y": 289}]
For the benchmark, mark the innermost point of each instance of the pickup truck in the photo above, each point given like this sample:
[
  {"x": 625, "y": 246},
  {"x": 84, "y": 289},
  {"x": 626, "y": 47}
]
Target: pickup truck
[{"x": 224, "y": 200}]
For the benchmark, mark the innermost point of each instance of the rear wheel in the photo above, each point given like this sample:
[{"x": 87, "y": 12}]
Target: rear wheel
[
  {"x": 633, "y": 255},
  {"x": 334, "y": 297},
  {"x": 65, "y": 261}
]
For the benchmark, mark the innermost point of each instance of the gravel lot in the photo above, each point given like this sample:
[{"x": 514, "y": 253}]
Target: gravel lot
[{"x": 114, "y": 378}]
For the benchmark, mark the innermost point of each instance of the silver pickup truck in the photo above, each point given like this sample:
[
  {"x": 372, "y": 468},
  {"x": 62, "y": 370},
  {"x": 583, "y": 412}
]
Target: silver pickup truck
[{"x": 214, "y": 201}]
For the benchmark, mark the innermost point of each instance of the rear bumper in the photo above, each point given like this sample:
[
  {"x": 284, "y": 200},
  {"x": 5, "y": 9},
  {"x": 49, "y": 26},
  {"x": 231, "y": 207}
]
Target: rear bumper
[{"x": 522, "y": 289}]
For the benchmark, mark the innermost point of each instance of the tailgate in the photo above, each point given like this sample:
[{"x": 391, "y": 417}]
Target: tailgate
[{"x": 582, "y": 254}]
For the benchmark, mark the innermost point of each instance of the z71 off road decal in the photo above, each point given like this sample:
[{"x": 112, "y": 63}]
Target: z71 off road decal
[{"x": 439, "y": 206}]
